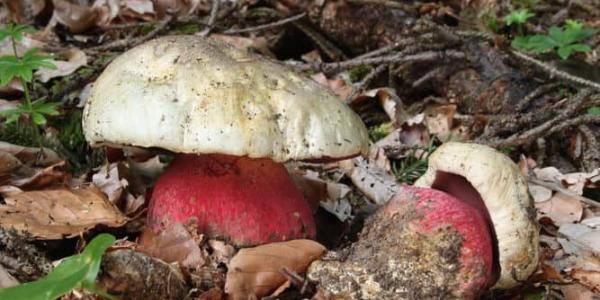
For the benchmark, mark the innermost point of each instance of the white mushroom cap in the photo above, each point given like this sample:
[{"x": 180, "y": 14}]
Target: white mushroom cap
[
  {"x": 504, "y": 192},
  {"x": 194, "y": 95}
]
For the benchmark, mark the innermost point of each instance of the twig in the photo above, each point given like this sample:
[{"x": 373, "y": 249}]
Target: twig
[
  {"x": 362, "y": 85},
  {"x": 267, "y": 26},
  {"x": 126, "y": 43},
  {"x": 395, "y": 58},
  {"x": 555, "y": 72},
  {"x": 591, "y": 152},
  {"x": 212, "y": 18},
  {"x": 329, "y": 48},
  {"x": 557, "y": 188},
  {"x": 540, "y": 90},
  {"x": 390, "y": 4},
  {"x": 552, "y": 125}
]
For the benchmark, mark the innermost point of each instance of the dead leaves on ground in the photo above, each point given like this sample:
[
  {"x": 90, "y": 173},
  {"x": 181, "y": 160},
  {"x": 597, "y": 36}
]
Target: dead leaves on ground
[
  {"x": 58, "y": 214},
  {"x": 258, "y": 271}
]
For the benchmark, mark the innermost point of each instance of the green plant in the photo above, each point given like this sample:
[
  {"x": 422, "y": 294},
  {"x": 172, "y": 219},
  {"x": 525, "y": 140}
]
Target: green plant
[
  {"x": 77, "y": 271},
  {"x": 594, "y": 111},
  {"x": 411, "y": 167},
  {"x": 22, "y": 68},
  {"x": 518, "y": 17},
  {"x": 565, "y": 40},
  {"x": 380, "y": 131}
]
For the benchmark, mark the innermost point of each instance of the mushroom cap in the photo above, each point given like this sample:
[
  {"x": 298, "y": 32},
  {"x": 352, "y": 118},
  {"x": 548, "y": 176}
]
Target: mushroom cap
[
  {"x": 504, "y": 192},
  {"x": 190, "y": 94}
]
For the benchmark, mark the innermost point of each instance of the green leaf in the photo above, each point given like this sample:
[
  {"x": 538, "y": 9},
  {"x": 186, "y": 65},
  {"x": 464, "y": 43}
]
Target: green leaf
[
  {"x": 518, "y": 17},
  {"x": 15, "y": 31},
  {"x": 45, "y": 108},
  {"x": 38, "y": 118},
  {"x": 78, "y": 270},
  {"x": 14, "y": 67},
  {"x": 594, "y": 111}
]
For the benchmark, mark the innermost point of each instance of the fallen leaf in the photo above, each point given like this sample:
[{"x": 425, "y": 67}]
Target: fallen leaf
[
  {"x": 31, "y": 155},
  {"x": 6, "y": 280},
  {"x": 172, "y": 244},
  {"x": 74, "y": 59},
  {"x": 582, "y": 235},
  {"x": 107, "y": 179},
  {"x": 78, "y": 18},
  {"x": 140, "y": 7},
  {"x": 24, "y": 11},
  {"x": 34, "y": 179},
  {"x": 439, "y": 120},
  {"x": 8, "y": 163},
  {"x": 577, "y": 292},
  {"x": 389, "y": 101},
  {"x": 257, "y": 271},
  {"x": 561, "y": 209},
  {"x": 60, "y": 213},
  {"x": 337, "y": 86},
  {"x": 374, "y": 182},
  {"x": 330, "y": 195},
  {"x": 179, "y": 8},
  {"x": 221, "y": 251},
  {"x": 590, "y": 279},
  {"x": 539, "y": 193},
  {"x": 259, "y": 44}
]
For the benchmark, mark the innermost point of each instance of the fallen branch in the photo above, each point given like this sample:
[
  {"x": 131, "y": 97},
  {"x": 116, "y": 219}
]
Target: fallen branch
[
  {"x": 558, "y": 188},
  {"x": 127, "y": 43},
  {"x": 266, "y": 26}
]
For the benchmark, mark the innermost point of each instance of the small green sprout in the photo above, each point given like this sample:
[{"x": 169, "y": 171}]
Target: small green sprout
[
  {"x": 518, "y": 17},
  {"x": 594, "y": 111},
  {"x": 22, "y": 68},
  {"x": 565, "y": 40},
  {"x": 75, "y": 272}
]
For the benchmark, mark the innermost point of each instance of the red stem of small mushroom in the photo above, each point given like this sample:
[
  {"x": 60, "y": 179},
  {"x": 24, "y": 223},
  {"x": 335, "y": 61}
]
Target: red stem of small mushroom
[{"x": 246, "y": 201}]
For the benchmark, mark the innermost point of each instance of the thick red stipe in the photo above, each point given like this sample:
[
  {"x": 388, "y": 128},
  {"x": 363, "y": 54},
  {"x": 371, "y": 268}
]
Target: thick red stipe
[
  {"x": 434, "y": 211},
  {"x": 246, "y": 201}
]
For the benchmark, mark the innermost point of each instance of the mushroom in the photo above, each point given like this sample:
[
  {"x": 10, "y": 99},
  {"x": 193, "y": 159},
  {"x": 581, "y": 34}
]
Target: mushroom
[
  {"x": 490, "y": 181},
  {"x": 468, "y": 224},
  {"x": 234, "y": 117}
]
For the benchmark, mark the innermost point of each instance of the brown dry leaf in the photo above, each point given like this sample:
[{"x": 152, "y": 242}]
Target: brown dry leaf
[
  {"x": 34, "y": 179},
  {"x": 173, "y": 244},
  {"x": 439, "y": 120},
  {"x": 583, "y": 236},
  {"x": 74, "y": 59},
  {"x": 330, "y": 195},
  {"x": 259, "y": 44},
  {"x": 139, "y": 7},
  {"x": 8, "y": 163},
  {"x": 24, "y": 11},
  {"x": 337, "y": 86},
  {"x": 561, "y": 209},
  {"x": 31, "y": 155},
  {"x": 6, "y": 280},
  {"x": 389, "y": 101},
  {"x": 590, "y": 279},
  {"x": 257, "y": 271},
  {"x": 107, "y": 179},
  {"x": 577, "y": 292},
  {"x": 179, "y": 8},
  {"x": 78, "y": 18},
  {"x": 60, "y": 213},
  {"x": 374, "y": 182}
]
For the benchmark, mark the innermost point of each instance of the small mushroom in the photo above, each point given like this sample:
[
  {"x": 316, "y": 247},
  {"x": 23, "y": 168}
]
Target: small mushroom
[
  {"x": 235, "y": 118},
  {"x": 489, "y": 180}
]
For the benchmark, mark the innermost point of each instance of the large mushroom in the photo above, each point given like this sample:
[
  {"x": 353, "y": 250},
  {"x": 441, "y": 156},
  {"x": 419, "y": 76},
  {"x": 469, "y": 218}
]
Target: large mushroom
[
  {"x": 491, "y": 182},
  {"x": 466, "y": 226},
  {"x": 234, "y": 118}
]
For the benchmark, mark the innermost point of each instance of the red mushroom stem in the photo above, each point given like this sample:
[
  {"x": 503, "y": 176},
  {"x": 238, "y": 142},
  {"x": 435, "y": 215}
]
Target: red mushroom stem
[{"x": 246, "y": 201}]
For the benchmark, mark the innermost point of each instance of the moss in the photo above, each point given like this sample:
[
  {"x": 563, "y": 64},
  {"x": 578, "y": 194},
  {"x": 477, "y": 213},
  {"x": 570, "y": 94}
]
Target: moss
[{"x": 356, "y": 74}]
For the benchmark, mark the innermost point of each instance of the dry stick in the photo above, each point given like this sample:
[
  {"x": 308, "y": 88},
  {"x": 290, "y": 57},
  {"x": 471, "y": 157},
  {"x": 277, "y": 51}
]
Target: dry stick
[
  {"x": 361, "y": 86},
  {"x": 557, "y": 188},
  {"x": 395, "y": 58},
  {"x": 591, "y": 153},
  {"x": 541, "y": 90},
  {"x": 555, "y": 72},
  {"x": 125, "y": 43},
  {"x": 212, "y": 18},
  {"x": 329, "y": 48},
  {"x": 551, "y": 126},
  {"x": 267, "y": 26}
]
